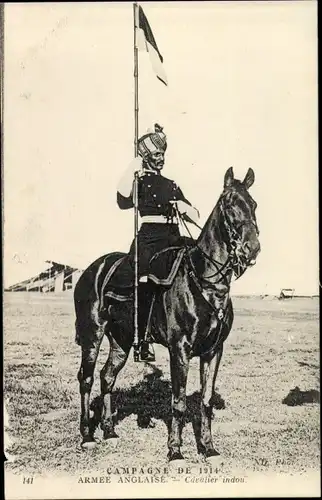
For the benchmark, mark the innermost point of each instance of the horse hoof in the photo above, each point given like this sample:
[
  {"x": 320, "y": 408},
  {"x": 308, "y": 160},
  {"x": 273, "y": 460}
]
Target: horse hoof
[
  {"x": 145, "y": 422},
  {"x": 176, "y": 458},
  {"x": 89, "y": 445},
  {"x": 110, "y": 436}
]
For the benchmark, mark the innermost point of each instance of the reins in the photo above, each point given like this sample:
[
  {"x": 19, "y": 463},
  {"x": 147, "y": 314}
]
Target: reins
[
  {"x": 229, "y": 264},
  {"x": 210, "y": 259},
  {"x": 216, "y": 264},
  {"x": 219, "y": 270}
]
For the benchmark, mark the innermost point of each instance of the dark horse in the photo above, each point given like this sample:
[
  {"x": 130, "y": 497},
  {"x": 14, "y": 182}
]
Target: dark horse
[{"x": 192, "y": 318}]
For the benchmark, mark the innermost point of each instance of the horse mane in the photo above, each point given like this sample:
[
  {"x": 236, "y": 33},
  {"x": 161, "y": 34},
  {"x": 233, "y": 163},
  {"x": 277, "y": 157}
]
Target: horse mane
[{"x": 213, "y": 222}]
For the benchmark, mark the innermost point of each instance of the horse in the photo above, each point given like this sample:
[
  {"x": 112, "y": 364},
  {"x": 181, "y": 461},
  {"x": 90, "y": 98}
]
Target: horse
[{"x": 192, "y": 318}]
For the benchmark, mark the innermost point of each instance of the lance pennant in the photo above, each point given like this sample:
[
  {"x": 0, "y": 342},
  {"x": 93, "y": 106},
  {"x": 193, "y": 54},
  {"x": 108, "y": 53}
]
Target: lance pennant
[{"x": 146, "y": 41}]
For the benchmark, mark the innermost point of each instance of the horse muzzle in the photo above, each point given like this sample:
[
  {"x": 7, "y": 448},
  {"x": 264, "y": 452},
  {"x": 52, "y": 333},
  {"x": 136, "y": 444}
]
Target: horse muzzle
[{"x": 248, "y": 253}]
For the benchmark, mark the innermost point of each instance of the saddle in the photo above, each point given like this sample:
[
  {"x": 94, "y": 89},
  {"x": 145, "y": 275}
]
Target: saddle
[{"x": 119, "y": 278}]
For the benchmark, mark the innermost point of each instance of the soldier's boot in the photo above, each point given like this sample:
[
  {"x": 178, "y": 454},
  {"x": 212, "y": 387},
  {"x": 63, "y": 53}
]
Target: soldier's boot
[
  {"x": 147, "y": 352},
  {"x": 146, "y": 346}
]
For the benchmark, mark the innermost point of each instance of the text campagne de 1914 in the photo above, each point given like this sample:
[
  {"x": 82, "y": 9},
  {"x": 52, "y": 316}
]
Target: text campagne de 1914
[{"x": 154, "y": 475}]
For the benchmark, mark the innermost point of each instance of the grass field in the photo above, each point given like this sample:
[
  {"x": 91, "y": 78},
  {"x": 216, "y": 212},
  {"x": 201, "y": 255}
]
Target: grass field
[{"x": 272, "y": 348}]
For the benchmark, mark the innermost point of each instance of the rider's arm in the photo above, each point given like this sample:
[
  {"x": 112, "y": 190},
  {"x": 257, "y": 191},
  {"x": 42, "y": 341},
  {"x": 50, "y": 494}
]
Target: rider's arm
[
  {"x": 185, "y": 208},
  {"x": 125, "y": 185}
]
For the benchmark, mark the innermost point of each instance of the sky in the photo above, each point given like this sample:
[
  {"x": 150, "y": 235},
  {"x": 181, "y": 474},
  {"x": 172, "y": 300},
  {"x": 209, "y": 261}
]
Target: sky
[{"x": 242, "y": 92}]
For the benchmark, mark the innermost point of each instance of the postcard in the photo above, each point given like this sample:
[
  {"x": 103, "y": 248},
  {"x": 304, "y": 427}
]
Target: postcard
[{"x": 161, "y": 307}]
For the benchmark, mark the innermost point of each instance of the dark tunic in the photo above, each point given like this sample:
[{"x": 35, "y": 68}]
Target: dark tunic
[{"x": 154, "y": 195}]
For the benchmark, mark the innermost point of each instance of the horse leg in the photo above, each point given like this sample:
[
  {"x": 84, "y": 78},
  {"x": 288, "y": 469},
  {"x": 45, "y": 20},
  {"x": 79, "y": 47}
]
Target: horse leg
[
  {"x": 208, "y": 373},
  {"x": 86, "y": 379},
  {"x": 179, "y": 366},
  {"x": 116, "y": 360}
]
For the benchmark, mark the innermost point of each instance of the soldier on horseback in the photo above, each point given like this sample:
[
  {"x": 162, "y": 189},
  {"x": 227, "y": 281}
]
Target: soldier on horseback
[{"x": 159, "y": 201}]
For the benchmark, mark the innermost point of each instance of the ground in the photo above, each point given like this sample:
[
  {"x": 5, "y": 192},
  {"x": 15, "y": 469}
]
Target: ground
[{"x": 273, "y": 347}]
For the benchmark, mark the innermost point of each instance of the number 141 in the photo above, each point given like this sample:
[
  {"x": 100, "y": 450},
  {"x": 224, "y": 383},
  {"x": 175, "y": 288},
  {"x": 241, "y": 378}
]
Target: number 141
[{"x": 27, "y": 480}]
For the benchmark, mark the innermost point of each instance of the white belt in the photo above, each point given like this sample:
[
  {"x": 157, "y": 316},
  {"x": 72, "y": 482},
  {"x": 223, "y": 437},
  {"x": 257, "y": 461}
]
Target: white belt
[{"x": 158, "y": 219}]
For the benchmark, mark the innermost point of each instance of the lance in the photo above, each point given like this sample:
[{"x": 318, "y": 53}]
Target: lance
[{"x": 135, "y": 186}]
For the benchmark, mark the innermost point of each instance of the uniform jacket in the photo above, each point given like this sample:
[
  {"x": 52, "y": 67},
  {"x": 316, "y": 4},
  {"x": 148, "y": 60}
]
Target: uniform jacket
[{"x": 154, "y": 194}]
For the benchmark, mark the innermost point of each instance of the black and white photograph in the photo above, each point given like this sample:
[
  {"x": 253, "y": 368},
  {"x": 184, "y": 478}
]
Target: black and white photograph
[{"x": 160, "y": 249}]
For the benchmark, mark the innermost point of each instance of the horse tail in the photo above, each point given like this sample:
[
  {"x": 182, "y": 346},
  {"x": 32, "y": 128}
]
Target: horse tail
[
  {"x": 87, "y": 303},
  {"x": 89, "y": 298},
  {"x": 84, "y": 324}
]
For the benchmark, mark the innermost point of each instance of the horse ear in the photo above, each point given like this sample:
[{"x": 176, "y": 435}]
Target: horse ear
[
  {"x": 249, "y": 178},
  {"x": 229, "y": 177}
]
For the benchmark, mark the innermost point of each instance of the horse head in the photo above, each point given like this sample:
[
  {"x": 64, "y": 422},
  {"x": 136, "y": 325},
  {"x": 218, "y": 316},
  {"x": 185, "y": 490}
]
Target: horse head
[{"x": 238, "y": 220}]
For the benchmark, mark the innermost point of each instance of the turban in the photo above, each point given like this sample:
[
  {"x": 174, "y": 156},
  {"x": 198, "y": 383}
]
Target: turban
[{"x": 152, "y": 142}]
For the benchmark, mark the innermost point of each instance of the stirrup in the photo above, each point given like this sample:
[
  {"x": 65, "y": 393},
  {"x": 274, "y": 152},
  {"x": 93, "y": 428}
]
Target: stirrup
[
  {"x": 144, "y": 353},
  {"x": 147, "y": 353}
]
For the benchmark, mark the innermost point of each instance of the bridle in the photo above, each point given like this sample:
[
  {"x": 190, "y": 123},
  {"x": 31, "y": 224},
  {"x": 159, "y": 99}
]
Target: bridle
[
  {"x": 233, "y": 231},
  {"x": 234, "y": 240},
  {"x": 233, "y": 262}
]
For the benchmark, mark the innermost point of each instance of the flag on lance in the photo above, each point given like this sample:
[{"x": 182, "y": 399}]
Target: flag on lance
[{"x": 146, "y": 41}]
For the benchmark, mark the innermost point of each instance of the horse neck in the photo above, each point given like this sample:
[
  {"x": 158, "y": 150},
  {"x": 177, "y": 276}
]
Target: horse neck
[{"x": 211, "y": 242}]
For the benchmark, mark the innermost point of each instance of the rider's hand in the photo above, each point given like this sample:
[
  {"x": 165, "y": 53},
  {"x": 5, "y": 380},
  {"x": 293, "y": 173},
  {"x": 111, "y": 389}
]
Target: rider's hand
[
  {"x": 136, "y": 164},
  {"x": 190, "y": 213},
  {"x": 125, "y": 184},
  {"x": 180, "y": 205}
]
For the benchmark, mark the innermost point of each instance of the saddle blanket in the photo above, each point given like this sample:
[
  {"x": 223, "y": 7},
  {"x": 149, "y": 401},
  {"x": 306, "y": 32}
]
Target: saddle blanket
[{"x": 119, "y": 279}]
